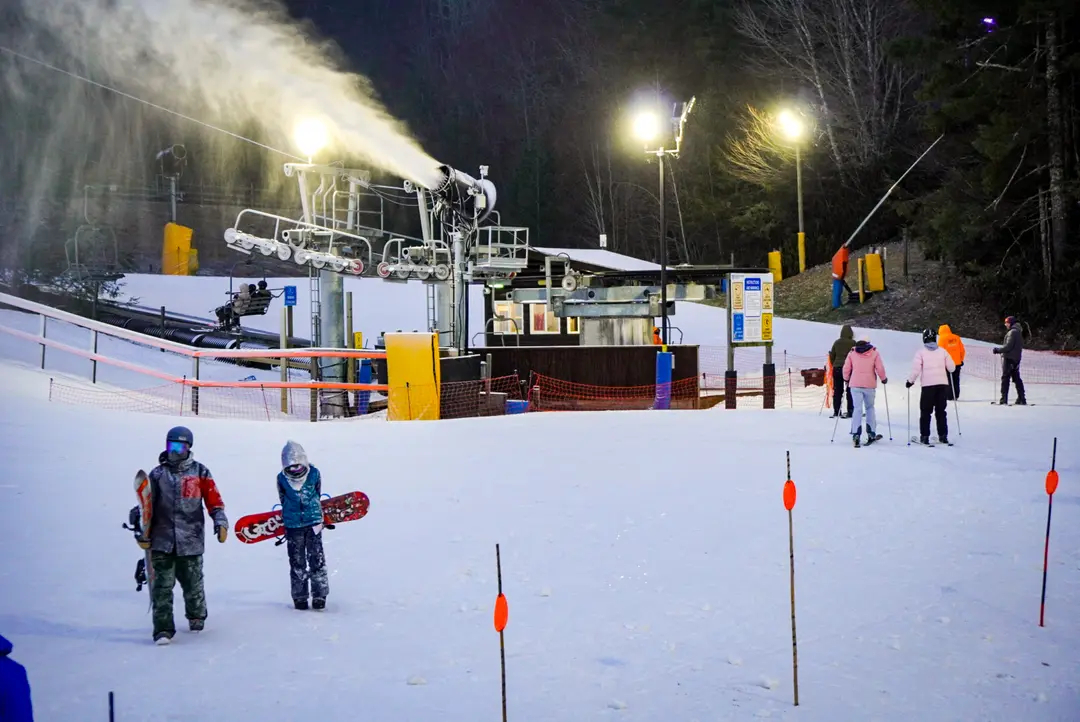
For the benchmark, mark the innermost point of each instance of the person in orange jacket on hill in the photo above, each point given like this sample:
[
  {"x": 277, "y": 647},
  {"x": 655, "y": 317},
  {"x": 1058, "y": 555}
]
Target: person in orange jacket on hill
[
  {"x": 840, "y": 267},
  {"x": 952, "y": 343}
]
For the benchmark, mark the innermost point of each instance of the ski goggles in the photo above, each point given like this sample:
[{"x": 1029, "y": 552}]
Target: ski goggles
[
  {"x": 176, "y": 447},
  {"x": 295, "y": 469}
]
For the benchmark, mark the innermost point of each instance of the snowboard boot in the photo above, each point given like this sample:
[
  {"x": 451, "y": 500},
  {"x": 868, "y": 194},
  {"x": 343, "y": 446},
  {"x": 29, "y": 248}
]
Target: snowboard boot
[
  {"x": 318, "y": 603},
  {"x": 856, "y": 438},
  {"x": 196, "y": 625},
  {"x": 162, "y": 638},
  {"x": 300, "y": 603}
]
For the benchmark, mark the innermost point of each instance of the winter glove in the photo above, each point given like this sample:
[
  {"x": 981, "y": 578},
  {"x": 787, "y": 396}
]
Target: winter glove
[
  {"x": 997, "y": 350},
  {"x": 908, "y": 384},
  {"x": 317, "y": 528},
  {"x": 884, "y": 381},
  {"x": 144, "y": 544},
  {"x": 222, "y": 532}
]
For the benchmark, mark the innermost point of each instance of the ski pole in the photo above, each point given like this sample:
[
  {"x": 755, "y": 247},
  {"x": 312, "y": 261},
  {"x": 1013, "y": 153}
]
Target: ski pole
[
  {"x": 887, "y": 417},
  {"x": 835, "y": 424}
]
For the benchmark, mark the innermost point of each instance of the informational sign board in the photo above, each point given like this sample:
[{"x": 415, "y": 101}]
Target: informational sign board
[
  {"x": 290, "y": 295},
  {"x": 751, "y": 308}
]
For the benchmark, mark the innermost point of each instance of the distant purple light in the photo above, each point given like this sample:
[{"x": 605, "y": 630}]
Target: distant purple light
[{"x": 989, "y": 21}]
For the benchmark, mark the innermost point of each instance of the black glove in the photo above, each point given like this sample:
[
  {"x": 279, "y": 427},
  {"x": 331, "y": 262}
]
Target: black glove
[
  {"x": 908, "y": 384},
  {"x": 997, "y": 350},
  {"x": 222, "y": 532},
  {"x": 884, "y": 381}
]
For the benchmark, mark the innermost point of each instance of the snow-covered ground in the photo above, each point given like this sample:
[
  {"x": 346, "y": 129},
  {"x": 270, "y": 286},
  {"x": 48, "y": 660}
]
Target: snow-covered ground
[{"x": 646, "y": 569}]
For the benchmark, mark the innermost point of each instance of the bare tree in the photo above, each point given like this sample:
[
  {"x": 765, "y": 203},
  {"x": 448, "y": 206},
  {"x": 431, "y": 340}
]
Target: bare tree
[
  {"x": 838, "y": 49},
  {"x": 754, "y": 154}
]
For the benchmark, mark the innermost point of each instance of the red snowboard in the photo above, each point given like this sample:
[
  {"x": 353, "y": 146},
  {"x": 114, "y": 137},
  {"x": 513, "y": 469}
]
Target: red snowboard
[{"x": 269, "y": 524}]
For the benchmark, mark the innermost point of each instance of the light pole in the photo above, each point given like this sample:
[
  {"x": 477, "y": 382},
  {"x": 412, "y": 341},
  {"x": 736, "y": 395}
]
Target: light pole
[
  {"x": 648, "y": 128},
  {"x": 793, "y": 128}
]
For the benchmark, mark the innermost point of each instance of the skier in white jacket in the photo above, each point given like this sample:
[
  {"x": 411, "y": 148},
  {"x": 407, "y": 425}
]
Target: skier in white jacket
[{"x": 933, "y": 365}]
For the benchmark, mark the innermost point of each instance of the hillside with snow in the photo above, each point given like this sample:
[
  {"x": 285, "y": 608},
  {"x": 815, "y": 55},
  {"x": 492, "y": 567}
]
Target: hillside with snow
[{"x": 644, "y": 557}]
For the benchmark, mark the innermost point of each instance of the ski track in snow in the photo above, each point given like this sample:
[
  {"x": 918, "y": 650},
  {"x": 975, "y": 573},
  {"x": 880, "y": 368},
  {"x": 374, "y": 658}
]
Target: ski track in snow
[{"x": 645, "y": 561}]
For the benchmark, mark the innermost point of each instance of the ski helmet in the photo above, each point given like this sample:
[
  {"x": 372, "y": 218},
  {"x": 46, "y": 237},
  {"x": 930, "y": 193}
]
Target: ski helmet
[
  {"x": 929, "y": 335},
  {"x": 181, "y": 434}
]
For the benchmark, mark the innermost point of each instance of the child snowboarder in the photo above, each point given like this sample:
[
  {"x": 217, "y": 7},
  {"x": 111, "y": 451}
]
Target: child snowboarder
[
  {"x": 862, "y": 368},
  {"x": 933, "y": 364},
  {"x": 299, "y": 488},
  {"x": 177, "y": 536}
]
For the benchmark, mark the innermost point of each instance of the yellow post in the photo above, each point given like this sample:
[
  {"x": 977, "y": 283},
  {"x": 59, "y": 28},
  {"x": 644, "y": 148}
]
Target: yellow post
[
  {"x": 774, "y": 266},
  {"x": 862, "y": 294},
  {"x": 176, "y": 250},
  {"x": 802, "y": 252}
]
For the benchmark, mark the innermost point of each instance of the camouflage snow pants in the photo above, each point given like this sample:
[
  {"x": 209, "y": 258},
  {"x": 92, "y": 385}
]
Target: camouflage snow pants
[
  {"x": 306, "y": 563},
  {"x": 168, "y": 568}
]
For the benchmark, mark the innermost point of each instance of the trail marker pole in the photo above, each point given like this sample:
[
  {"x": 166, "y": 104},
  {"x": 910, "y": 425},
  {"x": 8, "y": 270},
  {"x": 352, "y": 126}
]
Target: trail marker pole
[
  {"x": 112, "y": 712},
  {"x": 502, "y": 613},
  {"x": 789, "y": 504},
  {"x": 1051, "y": 487}
]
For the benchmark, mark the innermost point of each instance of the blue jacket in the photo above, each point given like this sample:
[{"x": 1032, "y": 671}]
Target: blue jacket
[
  {"x": 14, "y": 688},
  {"x": 301, "y": 505}
]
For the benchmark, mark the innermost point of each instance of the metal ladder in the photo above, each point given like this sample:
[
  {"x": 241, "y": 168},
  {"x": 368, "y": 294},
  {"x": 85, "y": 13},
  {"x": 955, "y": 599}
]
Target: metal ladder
[
  {"x": 431, "y": 314},
  {"x": 316, "y": 306}
]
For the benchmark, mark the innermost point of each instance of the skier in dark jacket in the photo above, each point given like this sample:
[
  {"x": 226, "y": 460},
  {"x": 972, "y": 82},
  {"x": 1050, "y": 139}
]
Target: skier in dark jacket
[
  {"x": 299, "y": 487},
  {"x": 1011, "y": 352},
  {"x": 181, "y": 486},
  {"x": 15, "y": 703},
  {"x": 837, "y": 355}
]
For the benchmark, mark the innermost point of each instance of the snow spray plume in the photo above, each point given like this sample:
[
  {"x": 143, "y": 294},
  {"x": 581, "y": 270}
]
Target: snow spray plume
[{"x": 241, "y": 65}]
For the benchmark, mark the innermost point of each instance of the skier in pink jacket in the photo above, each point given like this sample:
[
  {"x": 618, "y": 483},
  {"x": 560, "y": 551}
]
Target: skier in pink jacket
[
  {"x": 862, "y": 368},
  {"x": 933, "y": 365}
]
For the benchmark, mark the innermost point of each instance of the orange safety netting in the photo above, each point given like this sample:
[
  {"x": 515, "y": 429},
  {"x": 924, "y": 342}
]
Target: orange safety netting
[{"x": 551, "y": 394}]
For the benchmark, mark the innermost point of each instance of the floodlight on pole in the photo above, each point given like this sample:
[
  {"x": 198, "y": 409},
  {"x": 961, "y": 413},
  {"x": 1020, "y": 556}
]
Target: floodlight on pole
[
  {"x": 649, "y": 129},
  {"x": 646, "y": 126},
  {"x": 790, "y": 125},
  {"x": 794, "y": 129},
  {"x": 310, "y": 136}
]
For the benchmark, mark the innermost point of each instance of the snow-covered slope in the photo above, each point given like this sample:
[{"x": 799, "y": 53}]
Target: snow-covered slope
[{"x": 645, "y": 559}]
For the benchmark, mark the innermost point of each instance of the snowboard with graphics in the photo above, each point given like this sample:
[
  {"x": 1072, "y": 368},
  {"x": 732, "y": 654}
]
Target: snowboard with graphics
[
  {"x": 269, "y": 524},
  {"x": 145, "y": 493}
]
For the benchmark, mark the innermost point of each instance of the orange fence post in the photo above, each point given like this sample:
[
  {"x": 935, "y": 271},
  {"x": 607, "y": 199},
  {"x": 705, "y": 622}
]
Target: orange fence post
[
  {"x": 789, "y": 504},
  {"x": 1051, "y": 487},
  {"x": 502, "y": 613}
]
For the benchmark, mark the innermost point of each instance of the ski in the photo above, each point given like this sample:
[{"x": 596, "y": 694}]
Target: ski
[
  {"x": 915, "y": 440},
  {"x": 998, "y": 403}
]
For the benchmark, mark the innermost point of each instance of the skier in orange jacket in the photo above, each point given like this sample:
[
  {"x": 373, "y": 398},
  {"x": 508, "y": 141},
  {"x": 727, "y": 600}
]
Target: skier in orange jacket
[{"x": 952, "y": 343}]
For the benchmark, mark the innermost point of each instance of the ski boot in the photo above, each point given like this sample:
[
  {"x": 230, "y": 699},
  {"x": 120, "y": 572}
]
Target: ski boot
[
  {"x": 1021, "y": 401},
  {"x": 871, "y": 437},
  {"x": 924, "y": 440},
  {"x": 856, "y": 438}
]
